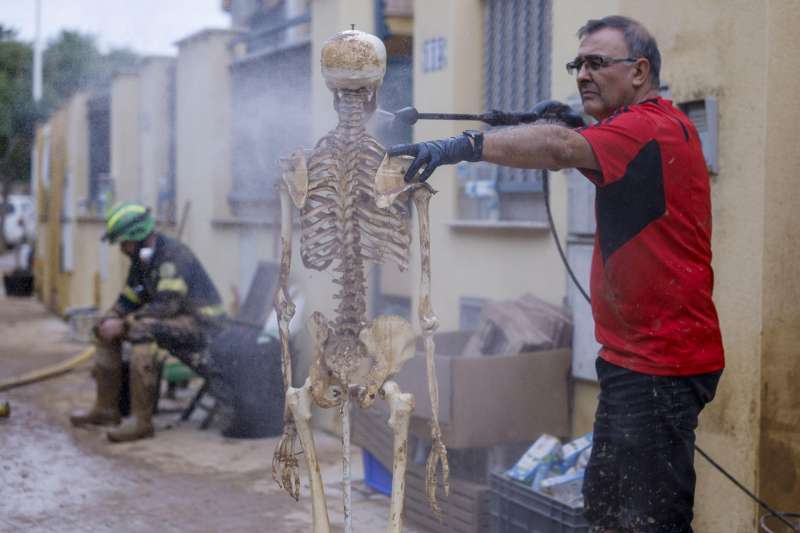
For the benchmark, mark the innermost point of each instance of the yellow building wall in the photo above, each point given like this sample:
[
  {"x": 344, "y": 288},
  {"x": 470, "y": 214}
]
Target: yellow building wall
[
  {"x": 203, "y": 131},
  {"x": 203, "y": 155},
  {"x": 126, "y": 141},
  {"x": 155, "y": 126},
  {"x": 55, "y": 287},
  {"x": 40, "y": 269},
  {"x": 779, "y": 443},
  {"x": 81, "y": 285}
]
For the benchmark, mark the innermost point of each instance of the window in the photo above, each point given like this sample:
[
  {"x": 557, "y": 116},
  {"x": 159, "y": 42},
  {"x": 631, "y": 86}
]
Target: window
[
  {"x": 517, "y": 43},
  {"x": 100, "y": 183}
]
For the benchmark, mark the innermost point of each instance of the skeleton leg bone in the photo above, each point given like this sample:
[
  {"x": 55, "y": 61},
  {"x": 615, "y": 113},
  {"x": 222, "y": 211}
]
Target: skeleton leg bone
[
  {"x": 299, "y": 402},
  {"x": 346, "y": 478},
  {"x": 401, "y": 405},
  {"x": 429, "y": 324}
]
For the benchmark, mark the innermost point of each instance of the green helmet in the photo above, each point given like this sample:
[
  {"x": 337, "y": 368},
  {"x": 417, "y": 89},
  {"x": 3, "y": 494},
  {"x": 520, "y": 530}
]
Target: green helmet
[{"x": 128, "y": 222}]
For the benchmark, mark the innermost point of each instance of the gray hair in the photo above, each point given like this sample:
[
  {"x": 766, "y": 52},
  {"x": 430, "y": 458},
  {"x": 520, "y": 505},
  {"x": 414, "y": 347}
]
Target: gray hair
[{"x": 639, "y": 41}]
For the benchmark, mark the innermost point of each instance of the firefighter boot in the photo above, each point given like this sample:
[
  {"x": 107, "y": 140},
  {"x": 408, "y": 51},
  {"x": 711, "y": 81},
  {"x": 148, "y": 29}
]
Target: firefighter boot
[
  {"x": 108, "y": 376},
  {"x": 143, "y": 396}
]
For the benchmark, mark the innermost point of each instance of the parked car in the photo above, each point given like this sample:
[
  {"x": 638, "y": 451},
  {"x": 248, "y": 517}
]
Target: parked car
[{"x": 19, "y": 224}]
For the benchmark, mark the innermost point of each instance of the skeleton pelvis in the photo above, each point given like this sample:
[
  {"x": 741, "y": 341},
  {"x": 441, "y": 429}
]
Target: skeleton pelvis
[
  {"x": 389, "y": 340},
  {"x": 342, "y": 362}
]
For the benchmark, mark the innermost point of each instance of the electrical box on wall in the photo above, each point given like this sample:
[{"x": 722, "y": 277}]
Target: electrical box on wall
[{"x": 704, "y": 115}]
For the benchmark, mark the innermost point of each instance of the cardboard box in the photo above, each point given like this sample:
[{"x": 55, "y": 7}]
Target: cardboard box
[{"x": 484, "y": 401}]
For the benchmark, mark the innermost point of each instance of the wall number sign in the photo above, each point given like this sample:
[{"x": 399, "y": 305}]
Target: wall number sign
[{"x": 434, "y": 54}]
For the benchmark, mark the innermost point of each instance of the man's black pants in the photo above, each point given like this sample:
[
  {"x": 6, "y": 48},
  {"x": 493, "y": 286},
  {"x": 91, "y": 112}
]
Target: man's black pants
[{"x": 640, "y": 477}]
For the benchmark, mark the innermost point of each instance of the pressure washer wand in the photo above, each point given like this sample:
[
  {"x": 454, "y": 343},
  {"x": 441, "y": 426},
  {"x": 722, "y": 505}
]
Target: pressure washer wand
[{"x": 410, "y": 116}]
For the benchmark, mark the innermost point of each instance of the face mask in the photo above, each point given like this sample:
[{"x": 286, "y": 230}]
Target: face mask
[{"x": 145, "y": 254}]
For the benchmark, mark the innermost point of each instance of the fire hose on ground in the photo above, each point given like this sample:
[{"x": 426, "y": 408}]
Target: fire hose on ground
[
  {"x": 48, "y": 372},
  {"x": 409, "y": 116}
]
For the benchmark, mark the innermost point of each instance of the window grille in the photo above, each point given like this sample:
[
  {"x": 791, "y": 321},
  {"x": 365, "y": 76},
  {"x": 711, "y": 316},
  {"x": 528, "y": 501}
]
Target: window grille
[
  {"x": 517, "y": 50},
  {"x": 100, "y": 183}
]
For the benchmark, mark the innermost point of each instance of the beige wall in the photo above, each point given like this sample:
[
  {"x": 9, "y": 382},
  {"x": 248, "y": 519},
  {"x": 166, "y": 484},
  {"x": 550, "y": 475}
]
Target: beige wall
[
  {"x": 81, "y": 287},
  {"x": 202, "y": 157},
  {"x": 203, "y": 162},
  {"x": 78, "y": 146},
  {"x": 125, "y": 137},
  {"x": 155, "y": 126},
  {"x": 779, "y": 443}
]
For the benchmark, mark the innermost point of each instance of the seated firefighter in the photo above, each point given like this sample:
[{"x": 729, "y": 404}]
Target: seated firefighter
[{"x": 169, "y": 302}]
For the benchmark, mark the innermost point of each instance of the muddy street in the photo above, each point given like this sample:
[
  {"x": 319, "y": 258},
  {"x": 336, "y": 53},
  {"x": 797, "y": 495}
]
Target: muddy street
[{"x": 55, "y": 478}]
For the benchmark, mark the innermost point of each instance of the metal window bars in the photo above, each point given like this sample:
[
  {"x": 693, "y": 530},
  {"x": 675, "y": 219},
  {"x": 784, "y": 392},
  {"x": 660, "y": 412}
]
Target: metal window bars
[{"x": 517, "y": 49}]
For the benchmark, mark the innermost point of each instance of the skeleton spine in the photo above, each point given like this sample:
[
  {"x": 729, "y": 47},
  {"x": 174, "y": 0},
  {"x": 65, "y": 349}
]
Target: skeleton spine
[{"x": 351, "y": 311}]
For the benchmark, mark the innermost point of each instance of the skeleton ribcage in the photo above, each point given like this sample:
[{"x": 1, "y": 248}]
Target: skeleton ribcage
[
  {"x": 340, "y": 216},
  {"x": 341, "y": 225}
]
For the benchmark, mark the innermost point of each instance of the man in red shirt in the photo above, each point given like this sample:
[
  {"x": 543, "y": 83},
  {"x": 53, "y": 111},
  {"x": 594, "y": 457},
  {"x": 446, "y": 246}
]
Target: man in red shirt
[{"x": 651, "y": 280}]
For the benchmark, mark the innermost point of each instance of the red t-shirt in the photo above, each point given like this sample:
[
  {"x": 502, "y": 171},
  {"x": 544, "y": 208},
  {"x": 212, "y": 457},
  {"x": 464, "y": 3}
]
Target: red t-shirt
[{"x": 651, "y": 280}]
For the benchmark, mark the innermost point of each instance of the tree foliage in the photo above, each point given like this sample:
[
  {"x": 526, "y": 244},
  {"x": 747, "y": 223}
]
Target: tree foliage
[
  {"x": 17, "y": 110},
  {"x": 72, "y": 62}
]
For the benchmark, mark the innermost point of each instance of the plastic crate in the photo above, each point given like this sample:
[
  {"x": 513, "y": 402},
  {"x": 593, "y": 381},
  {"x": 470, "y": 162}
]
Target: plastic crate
[
  {"x": 517, "y": 508},
  {"x": 376, "y": 476}
]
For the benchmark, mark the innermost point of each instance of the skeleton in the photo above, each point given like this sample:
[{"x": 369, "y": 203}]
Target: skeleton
[{"x": 352, "y": 203}]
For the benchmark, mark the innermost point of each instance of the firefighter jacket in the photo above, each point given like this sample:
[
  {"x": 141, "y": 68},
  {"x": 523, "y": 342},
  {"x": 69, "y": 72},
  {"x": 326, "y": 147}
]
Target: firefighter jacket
[{"x": 172, "y": 282}]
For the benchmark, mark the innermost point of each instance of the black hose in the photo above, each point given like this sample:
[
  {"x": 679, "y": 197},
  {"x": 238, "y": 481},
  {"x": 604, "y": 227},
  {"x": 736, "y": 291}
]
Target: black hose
[
  {"x": 763, "y": 521},
  {"x": 762, "y": 503},
  {"x": 546, "y": 191},
  {"x": 772, "y": 512}
]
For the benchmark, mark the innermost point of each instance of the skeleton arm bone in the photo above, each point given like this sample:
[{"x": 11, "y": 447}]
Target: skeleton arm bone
[
  {"x": 284, "y": 460},
  {"x": 429, "y": 324}
]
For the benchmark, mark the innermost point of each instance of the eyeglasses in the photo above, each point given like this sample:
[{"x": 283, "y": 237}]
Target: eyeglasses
[{"x": 595, "y": 62}]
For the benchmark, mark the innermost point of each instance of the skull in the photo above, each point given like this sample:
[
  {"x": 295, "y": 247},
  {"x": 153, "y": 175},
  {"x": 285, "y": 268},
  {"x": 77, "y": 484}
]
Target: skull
[{"x": 353, "y": 60}]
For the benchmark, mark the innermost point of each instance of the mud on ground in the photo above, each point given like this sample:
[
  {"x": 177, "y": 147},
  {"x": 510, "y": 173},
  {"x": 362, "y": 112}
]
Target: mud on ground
[{"x": 55, "y": 478}]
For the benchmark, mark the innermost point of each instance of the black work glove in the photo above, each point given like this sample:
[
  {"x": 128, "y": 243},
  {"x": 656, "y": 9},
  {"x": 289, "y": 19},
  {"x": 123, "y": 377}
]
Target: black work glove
[
  {"x": 558, "y": 111},
  {"x": 431, "y": 154}
]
